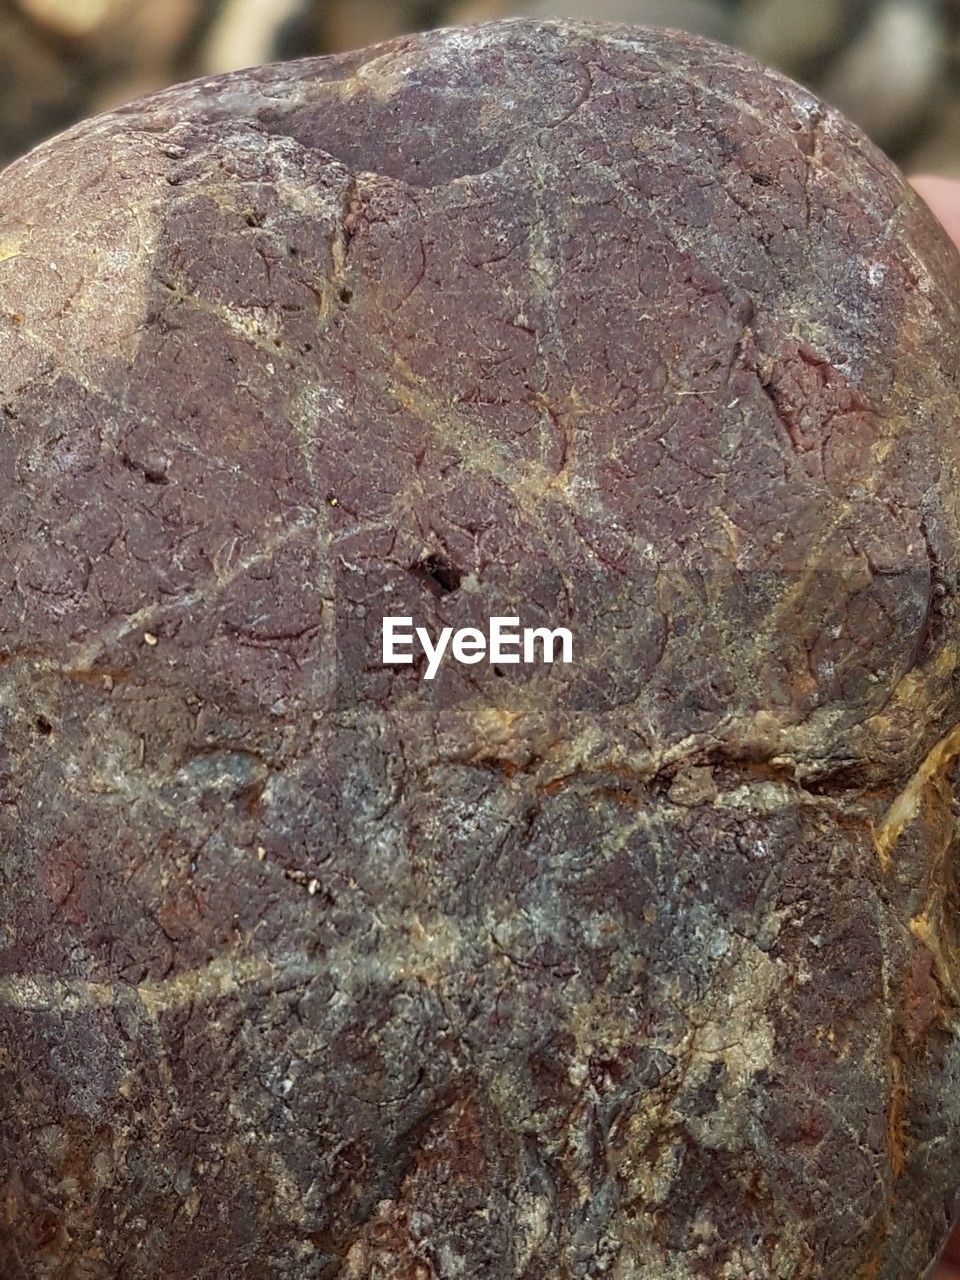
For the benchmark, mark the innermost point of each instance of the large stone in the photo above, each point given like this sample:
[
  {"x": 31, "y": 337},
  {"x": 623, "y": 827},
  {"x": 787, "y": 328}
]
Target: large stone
[{"x": 640, "y": 967}]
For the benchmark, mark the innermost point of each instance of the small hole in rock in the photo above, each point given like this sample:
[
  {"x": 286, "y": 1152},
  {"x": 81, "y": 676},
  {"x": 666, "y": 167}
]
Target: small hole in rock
[
  {"x": 44, "y": 726},
  {"x": 439, "y": 574},
  {"x": 346, "y": 295}
]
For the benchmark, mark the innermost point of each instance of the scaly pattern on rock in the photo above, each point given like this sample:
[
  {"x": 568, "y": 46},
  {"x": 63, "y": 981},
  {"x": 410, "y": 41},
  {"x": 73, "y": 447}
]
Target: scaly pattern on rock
[{"x": 643, "y": 967}]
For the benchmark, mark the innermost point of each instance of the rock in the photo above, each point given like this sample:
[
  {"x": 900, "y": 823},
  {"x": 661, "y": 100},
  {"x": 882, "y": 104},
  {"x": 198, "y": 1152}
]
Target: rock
[{"x": 643, "y": 965}]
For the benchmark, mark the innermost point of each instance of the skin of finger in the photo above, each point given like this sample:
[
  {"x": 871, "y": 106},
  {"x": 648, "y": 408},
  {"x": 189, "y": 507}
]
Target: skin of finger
[
  {"x": 948, "y": 1266},
  {"x": 943, "y": 197},
  {"x": 951, "y": 1254}
]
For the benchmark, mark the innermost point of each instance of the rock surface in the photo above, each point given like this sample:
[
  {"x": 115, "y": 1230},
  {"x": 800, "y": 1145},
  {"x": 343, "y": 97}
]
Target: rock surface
[{"x": 643, "y": 967}]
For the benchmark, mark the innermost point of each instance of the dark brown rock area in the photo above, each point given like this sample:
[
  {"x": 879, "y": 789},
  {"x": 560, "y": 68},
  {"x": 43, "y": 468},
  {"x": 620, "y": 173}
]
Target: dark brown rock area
[{"x": 643, "y": 967}]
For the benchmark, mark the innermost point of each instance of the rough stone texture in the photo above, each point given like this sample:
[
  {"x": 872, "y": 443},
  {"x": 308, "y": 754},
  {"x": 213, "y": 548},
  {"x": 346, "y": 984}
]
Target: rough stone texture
[{"x": 641, "y": 968}]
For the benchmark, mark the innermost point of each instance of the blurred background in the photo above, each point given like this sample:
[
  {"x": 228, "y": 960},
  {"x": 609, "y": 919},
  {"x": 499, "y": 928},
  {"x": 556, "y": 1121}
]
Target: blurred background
[{"x": 893, "y": 65}]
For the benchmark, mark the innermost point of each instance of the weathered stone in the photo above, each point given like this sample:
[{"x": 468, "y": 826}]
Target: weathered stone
[{"x": 642, "y": 967}]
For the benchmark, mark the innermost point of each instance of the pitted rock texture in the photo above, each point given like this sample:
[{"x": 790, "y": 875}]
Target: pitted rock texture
[{"x": 643, "y": 967}]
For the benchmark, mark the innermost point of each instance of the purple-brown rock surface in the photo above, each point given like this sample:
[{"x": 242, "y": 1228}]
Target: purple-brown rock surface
[{"x": 643, "y": 967}]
